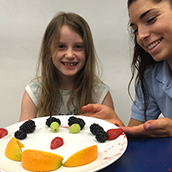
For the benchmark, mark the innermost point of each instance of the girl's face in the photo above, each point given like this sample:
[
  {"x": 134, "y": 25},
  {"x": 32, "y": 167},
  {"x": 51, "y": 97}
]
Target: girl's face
[
  {"x": 152, "y": 25},
  {"x": 69, "y": 57}
]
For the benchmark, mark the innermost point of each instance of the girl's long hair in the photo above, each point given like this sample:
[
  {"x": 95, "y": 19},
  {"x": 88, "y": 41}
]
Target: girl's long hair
[{"x": 50, "y": 97}]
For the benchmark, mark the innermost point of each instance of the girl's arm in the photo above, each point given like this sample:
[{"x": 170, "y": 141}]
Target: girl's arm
[
  {"x": 28, "y": 108},
  {"x": 108, "y": 101}
]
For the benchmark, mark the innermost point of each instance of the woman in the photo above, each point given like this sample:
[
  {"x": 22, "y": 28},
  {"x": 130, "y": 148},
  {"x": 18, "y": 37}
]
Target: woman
[{"x": 151, "y": 22}]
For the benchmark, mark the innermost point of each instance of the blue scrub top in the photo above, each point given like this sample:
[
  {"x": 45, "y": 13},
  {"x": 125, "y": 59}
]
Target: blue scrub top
[{"x": 159, "y": 85}]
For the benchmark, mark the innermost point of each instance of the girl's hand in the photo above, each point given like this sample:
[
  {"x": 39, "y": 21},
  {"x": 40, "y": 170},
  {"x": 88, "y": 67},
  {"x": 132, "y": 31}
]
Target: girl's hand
[
  {"x": 162, "y": 127},
  {"x": 102, "y": 112}
]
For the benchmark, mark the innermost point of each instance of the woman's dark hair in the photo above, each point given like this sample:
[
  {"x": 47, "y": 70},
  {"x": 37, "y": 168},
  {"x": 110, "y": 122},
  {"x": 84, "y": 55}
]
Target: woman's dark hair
[
  {"x": 156, "y": 1},
  {"x": 141, "y": 60}
]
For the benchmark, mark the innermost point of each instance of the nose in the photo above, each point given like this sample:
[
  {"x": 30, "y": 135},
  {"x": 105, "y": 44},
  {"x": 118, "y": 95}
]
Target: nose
[
  {"x": 143, "y": 33},
  {"x": 69, "y": 53}
]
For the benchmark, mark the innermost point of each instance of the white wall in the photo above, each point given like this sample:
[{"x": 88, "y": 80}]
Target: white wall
[{"x": 22, "y": 24}]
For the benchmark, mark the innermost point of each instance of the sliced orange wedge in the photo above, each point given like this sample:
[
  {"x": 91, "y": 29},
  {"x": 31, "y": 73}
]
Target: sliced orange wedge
[
  {"x": 13, "y": 149},
  {"x": 35, "y": 160},
  {"x": 82, "y": 157}
]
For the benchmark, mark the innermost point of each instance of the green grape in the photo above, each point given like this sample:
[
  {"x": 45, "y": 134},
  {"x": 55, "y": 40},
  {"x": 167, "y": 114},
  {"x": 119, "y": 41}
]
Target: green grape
[
  {"x": 55, "y": 127},
  {"x": 74, "y": 128}
]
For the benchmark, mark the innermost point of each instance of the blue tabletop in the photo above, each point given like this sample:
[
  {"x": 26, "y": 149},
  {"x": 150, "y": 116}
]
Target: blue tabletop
[{"x": 144, "y": 155}]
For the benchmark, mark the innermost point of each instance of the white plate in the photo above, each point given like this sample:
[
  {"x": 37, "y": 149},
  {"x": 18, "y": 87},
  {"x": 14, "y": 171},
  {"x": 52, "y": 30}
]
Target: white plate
[{"x": 40, "y": 139}]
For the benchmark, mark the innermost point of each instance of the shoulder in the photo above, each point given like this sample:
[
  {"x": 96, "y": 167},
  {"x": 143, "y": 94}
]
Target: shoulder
[
  {"x": 100, "y": 86},
  {"x": 34, "y": 86},
  {"x": 99, "y": 92},
  {"x": 35, "y": 83}
]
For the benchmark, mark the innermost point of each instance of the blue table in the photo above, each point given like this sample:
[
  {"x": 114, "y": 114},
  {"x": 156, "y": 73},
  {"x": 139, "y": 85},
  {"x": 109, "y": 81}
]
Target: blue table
[{"x": 144, "y": 155}]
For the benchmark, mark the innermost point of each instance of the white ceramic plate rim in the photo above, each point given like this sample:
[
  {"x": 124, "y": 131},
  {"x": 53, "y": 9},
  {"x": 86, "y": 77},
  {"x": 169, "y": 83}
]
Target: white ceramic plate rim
[{"x": 40, "y": 139}]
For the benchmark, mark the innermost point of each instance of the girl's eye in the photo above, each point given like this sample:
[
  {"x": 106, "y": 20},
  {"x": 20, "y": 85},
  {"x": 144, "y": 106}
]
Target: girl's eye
[
  {"x": 78, "y": 47},
  {"x": 61, "y": 47}
]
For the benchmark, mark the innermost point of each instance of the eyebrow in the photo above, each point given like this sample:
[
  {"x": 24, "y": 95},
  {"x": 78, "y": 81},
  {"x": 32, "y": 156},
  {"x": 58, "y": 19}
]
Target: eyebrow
[{"x": 142, "y": 15}]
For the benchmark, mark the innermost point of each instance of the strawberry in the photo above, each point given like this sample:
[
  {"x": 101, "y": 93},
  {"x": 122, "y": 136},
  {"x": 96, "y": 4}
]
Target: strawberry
[
  {"x": 114, "y": 133},
  {"x": 3, "y": 132},
  {"x": 56, "y": 142}
]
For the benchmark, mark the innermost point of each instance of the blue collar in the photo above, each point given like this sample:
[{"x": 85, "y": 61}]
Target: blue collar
[{"x": 163, "y": 72}]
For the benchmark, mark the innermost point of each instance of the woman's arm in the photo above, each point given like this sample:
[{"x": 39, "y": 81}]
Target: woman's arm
[
  {"x": 102, "y": 112},
  {"x": 28, "y": 108},
  {"x": 161, "y": 127}
]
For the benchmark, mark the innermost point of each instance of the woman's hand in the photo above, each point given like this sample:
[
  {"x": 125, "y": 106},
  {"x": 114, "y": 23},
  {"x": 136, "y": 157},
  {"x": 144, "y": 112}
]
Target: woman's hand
[
  {"x": 102, "y": 112},
  {"x": 162, "y": 127}
]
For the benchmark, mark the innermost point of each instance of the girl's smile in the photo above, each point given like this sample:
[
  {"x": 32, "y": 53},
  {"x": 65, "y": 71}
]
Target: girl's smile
[
  {"x": 69, "y": 64},
  {"x": 69, "y": 57}
]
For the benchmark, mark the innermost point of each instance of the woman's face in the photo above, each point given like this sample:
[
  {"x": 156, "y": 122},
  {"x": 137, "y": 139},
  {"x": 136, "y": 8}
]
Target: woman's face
[
  {"x": 152, "y": 25},
  {"x": 69, "y": 57}
]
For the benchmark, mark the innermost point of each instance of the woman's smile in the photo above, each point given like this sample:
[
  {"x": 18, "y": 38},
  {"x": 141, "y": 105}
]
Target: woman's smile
[
  {"x": 152, "y": 27},
  {"x": 154, "y": 44}
]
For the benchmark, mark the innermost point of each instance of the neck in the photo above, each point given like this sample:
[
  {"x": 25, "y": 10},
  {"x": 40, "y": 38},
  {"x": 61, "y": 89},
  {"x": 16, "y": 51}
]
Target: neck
[
  {"x": 169, "y": 61},
  {"x": 66, "y": 83}
]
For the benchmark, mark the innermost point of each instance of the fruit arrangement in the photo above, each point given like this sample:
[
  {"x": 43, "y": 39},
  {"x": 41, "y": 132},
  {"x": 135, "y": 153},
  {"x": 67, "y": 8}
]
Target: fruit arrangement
[
  {"x": 36, "y": 160},
  {"x": 75, "y": 125}
]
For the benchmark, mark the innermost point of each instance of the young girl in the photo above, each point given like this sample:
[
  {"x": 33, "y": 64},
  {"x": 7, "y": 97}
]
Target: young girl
[
  {"x": 68, "y": 77},
  {"x": 151, "y": 21}
]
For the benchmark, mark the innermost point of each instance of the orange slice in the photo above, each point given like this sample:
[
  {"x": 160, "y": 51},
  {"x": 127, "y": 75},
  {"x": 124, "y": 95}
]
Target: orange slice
[
  {"x": 13, "y": 149},
  {"x": 82, "y": 157},
  {"x": 35, "y": 160}
]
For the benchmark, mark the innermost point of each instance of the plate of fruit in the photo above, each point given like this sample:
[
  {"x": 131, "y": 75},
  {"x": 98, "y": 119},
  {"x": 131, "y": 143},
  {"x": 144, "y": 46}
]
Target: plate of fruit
[{"x": 60, "y": 143}]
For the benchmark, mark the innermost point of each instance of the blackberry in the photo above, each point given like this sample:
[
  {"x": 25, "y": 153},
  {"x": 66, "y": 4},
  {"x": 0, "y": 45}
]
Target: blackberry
[
  {"x": 101, "y": 137},
  {"x": 28, "y": 126},
  {"x": 72, "y": 120},
  {"x": 52, "y": 119},
  {"x": 81, "y": 122},
  {"x": 95, "y": 129},
  {"x": 75, "y": 120},
  {"x": 20, "y": 135}
]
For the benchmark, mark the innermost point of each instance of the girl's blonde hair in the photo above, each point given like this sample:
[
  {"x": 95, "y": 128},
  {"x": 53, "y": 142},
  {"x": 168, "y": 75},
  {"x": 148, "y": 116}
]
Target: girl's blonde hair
[{"x": 83, "y": 85}]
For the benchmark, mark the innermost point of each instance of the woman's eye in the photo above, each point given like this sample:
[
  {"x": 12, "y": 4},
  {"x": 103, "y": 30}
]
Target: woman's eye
[
  {"x": 135, "y": 31},
  {"x": 151, "y": 20}
]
